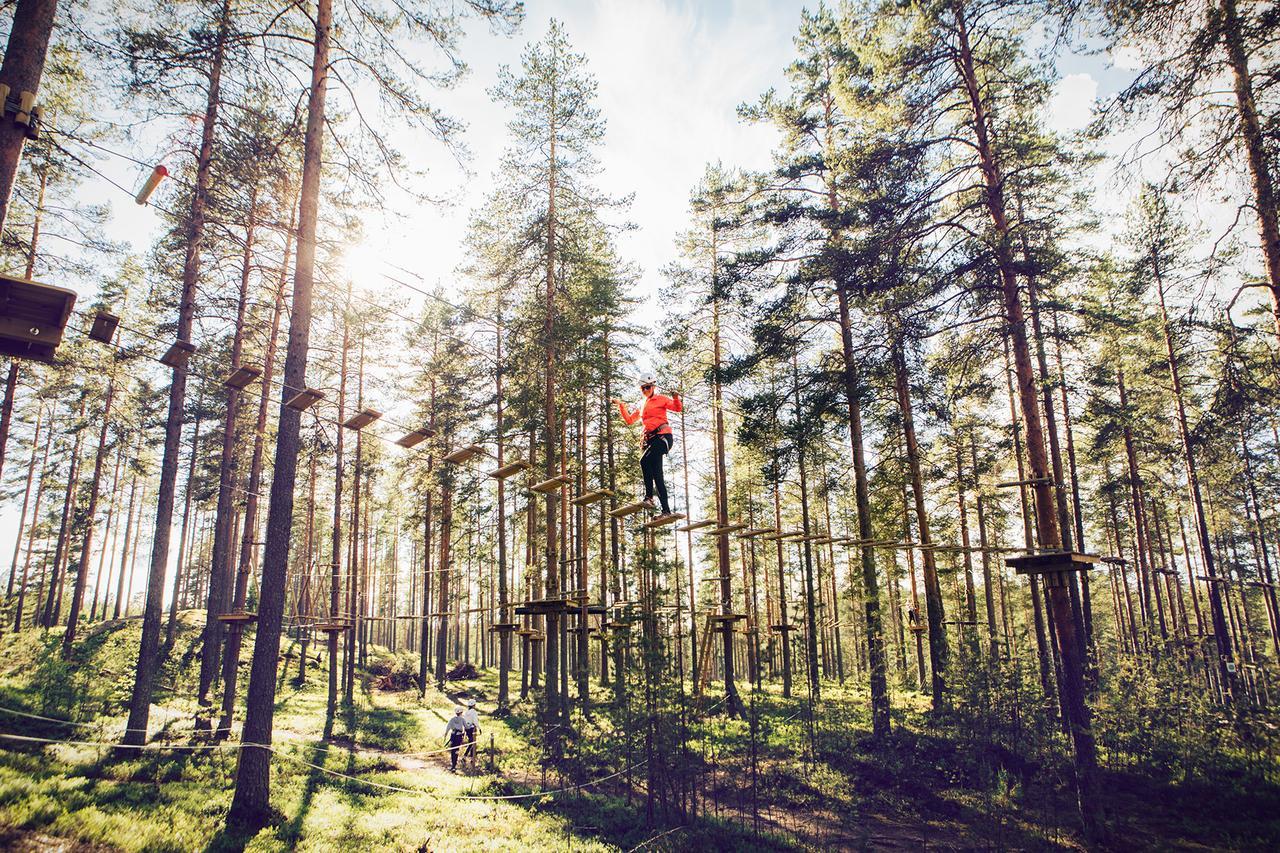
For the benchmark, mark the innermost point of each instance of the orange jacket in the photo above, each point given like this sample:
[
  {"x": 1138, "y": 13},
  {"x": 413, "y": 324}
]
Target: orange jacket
[{"x": 654, "y": 411}]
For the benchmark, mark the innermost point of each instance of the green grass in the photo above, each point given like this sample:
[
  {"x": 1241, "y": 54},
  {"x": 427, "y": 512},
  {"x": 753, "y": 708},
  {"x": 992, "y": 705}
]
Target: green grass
[{"x": 931, "y": 782}]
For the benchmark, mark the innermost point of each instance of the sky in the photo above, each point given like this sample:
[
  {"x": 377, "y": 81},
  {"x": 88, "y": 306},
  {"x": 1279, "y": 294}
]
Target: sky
[{"x": 670, "y": 77}]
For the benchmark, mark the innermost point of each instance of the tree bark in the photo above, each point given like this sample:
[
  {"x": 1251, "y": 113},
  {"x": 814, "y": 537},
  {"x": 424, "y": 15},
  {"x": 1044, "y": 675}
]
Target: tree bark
[
  {"x": 939, "y": 653},
  {"x": 140, "y": 700},
  {"x": 876, "y": 662},
  {"x": 251, "y": 805},
  {"x": 86, "y": 545},
  {"x": 23, "y": 66}
]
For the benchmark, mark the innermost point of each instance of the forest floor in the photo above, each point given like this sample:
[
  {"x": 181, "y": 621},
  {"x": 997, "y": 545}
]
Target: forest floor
[{"x": 379, "y": 781}]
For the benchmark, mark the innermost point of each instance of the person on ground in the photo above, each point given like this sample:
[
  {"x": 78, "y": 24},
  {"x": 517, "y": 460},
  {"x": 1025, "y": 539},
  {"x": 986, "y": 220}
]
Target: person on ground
[
  {"x": 455, "y": 732},
  {"x": 471, "y": 719},
  {"x": 656, "y": 439}
]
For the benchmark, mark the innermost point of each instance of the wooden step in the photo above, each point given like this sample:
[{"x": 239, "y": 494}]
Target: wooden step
[
  {"x": 463, "y": 454},
  {"x": 509, "y": 470},
  {"x": 695, "y": 525},
  {"x": 628, "y": 509},
  {"x": 663, "y": 520},
  {"x": 555, "y": 484}
]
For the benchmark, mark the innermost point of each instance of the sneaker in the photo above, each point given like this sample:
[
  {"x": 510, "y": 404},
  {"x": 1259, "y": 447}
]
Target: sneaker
[{"x": 649, "y": 504}]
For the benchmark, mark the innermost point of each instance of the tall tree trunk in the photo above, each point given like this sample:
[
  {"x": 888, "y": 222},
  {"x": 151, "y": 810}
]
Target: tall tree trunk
[
  {"x": 504, "y": 611},
  {"x": 550, "y": 425},
  {"x": 129, "y": 536},
  {"x": 86, "y": 545},
  {"x": 876, "y": 663},
  {"x": 251, "y": 803},
  {"x": 102, "y": 579},
  {"x": 184, "y": 540},
  {"x": 23, "y": 66},
  {"x": 1216, "y": 607},
  {"x": 53, "y": 602},
  {"x": 1254, "y": 140},
  {"x": 733, "y": 704},
  {"x": 220, "y": 573},
  {"x": 1049, "y": 534},
  {"x": 6, "y": 413},
  {"x": 810, "y": 605},
  {"x": 140, "y": 700},
  {"x": 938, "y": 650},
  {"x": 443, "y": 603},
  {"x": 240, "y": 588},
  {"x": 26, "y": 494}
]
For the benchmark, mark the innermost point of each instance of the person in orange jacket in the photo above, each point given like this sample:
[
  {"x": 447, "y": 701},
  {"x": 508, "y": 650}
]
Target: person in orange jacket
[{"x": 657, "y": 438}]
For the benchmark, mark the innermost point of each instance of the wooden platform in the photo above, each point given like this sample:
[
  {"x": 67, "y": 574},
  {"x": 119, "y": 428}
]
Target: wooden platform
[
  {"x": 412, "y": 439},
  {"x": 509, "y": 470},
  {"x": 695, "y": 525},
  {"x": 628, "y": 509},
  {"x": 241, "y": 376},
  {"x": 503, "y": 627},
  {"x": 463, "y": 454},
  {"x": 332, "y": 627},
  {"x": 555, "y": 484},
  {"x": 753, "y": 532},
  {"x": 663, "y": 520},
  {"x": 104, "y": 327},
  {"x": 591, "y": 497},
  {"x": 237, "y": 618},
  {"x": 304, "y": 399},
  {"x": 362, "y": 419},
  {"x": 1051, "y": 562},
  {"x": 726, "y": 529}
]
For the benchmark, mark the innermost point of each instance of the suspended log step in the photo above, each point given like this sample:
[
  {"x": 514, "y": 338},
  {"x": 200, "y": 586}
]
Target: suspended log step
[
  {"x": 463, "y": 454},
  {"x": 509, "y": 470},
  {"x": 413, "y": 439},
  {"x": 504, "y": 627},
  {"x": 591, "y": 497},
  {"x": 242, "y": 377},
  {"x": 628, "y": 509},
  {"x": 695, "y": 525},
  {"x": 726, "y": 529},
  {"x": 304, "y": 399},
  {"x": 753, "y": 532},
  {"x": 663, "y": 520},
  {"x": 555, "y": 484}
]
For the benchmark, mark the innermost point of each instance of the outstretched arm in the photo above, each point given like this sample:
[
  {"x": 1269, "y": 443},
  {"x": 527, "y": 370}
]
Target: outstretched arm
[
  {"x": 627, "y": 416},
  {"x": 677, "y": 404}
]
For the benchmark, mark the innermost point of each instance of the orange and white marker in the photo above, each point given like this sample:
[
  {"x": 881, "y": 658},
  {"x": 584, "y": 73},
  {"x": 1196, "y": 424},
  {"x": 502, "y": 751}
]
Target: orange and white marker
[{"x": 153, "y": 180}]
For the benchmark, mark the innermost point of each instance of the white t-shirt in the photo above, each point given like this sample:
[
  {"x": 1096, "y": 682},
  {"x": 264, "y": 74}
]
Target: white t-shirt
[{"x": 472, "y": 718}]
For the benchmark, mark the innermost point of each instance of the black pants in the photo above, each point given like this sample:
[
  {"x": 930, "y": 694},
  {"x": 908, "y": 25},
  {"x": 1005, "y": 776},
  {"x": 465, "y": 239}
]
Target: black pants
[
  {"x": 455, "y": 743},
  {"x": 472, "y": 731},
  {"x": 655, "y": 448}
]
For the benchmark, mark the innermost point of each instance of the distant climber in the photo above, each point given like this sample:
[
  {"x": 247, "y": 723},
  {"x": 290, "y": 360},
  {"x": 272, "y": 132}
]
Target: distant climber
[
  {"x": 656, "y": 440},
  {"x": 471, "y": 719},
  {"x": 455, "y": 732}
]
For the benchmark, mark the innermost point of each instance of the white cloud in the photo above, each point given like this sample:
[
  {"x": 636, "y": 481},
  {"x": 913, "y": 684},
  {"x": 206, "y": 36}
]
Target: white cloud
[{"x": 1071, "y": 106}]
